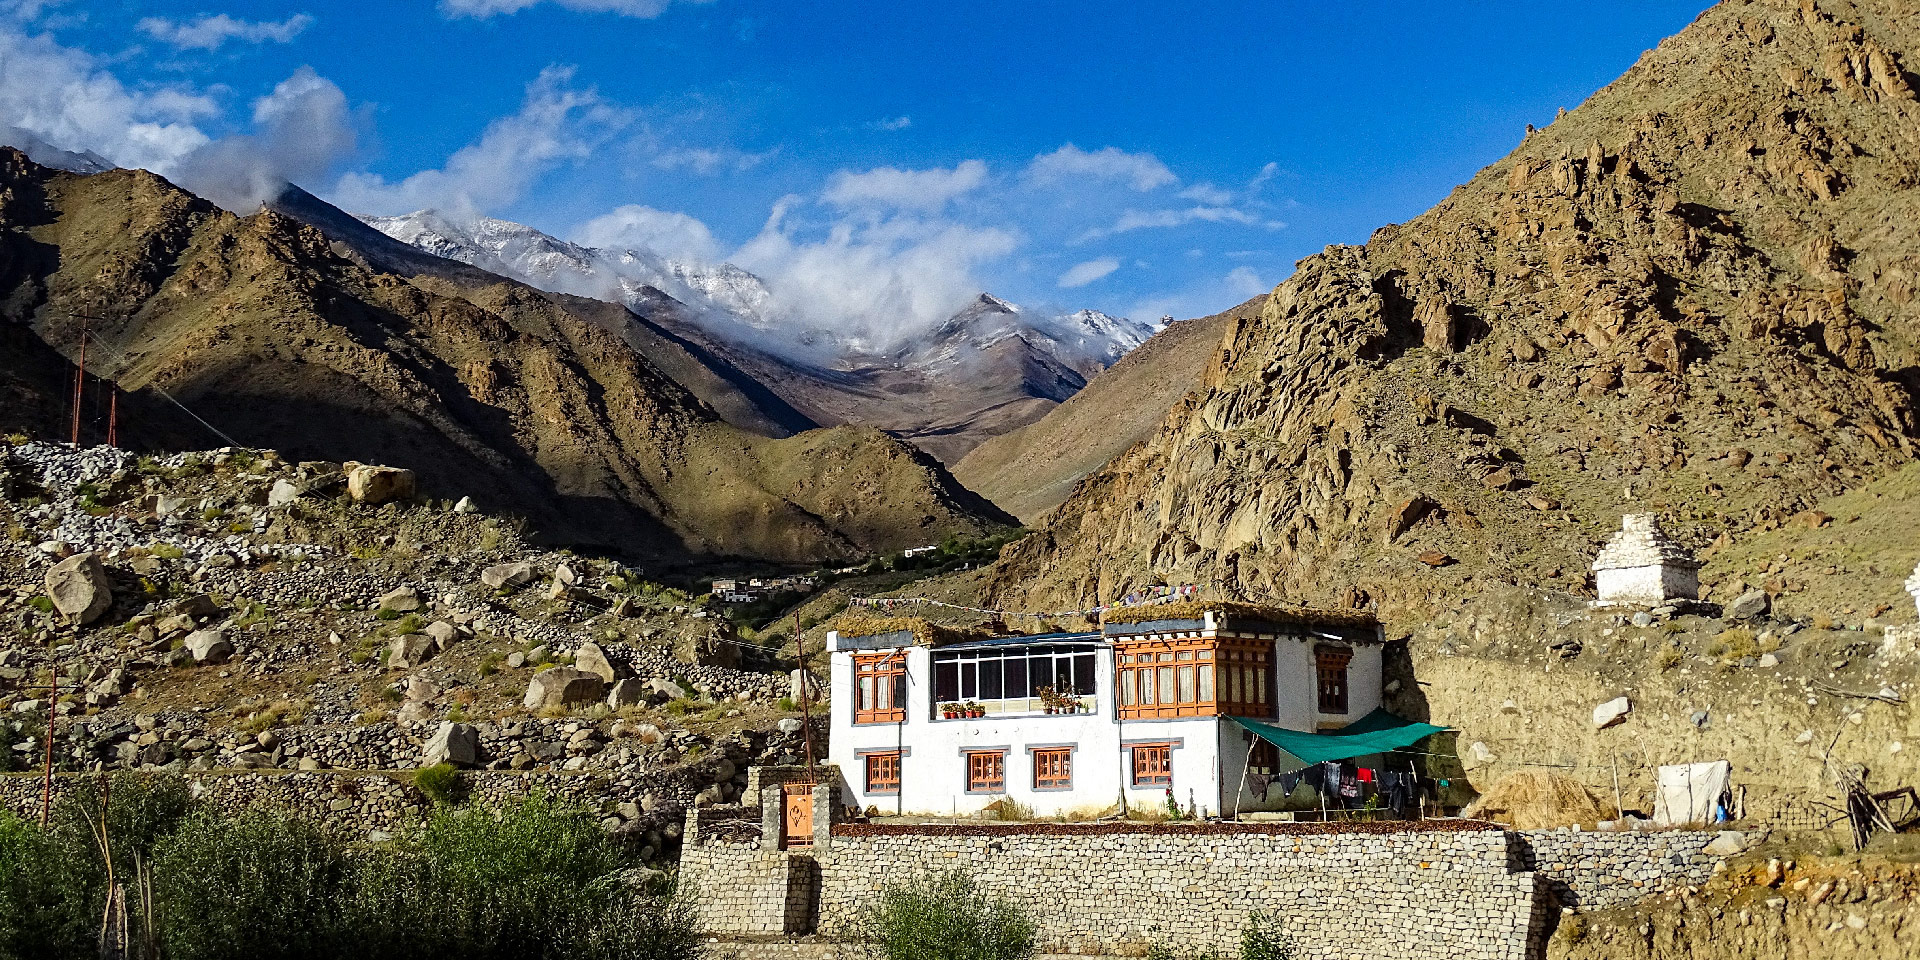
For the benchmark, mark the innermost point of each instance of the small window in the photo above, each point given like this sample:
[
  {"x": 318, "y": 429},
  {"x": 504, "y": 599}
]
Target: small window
[
  {"x": 1264, "y": 760},
  {"x": 1153, "y": 765},
  {"x": 1052, "y": 769},
  {"x": 883, "y": 772},
  {"x": 1332, "y": 670},
  {"x": 987, "y": 772}
]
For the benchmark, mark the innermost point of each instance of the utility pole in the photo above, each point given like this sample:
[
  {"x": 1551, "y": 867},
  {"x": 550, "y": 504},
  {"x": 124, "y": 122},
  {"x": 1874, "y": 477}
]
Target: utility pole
[
  {"x": 806, "y": 690},
  {"x": 80, "y": 383},
  {"x": 46, "y": 778}
]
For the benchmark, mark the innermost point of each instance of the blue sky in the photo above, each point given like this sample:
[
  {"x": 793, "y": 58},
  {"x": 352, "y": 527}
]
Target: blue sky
[{"x": 870, "y": 158}]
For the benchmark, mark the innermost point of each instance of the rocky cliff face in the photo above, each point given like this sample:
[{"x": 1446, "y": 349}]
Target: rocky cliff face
[
  {"x": 522, "y": 399},
  {"x": 1694, "y": 294}
]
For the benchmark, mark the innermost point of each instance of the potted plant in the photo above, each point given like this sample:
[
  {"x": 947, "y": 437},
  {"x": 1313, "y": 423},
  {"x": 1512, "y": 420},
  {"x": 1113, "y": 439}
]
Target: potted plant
[
  {"x": 975, "y": 710},
  {"x": 950, "y": 711},
  {"x": 1047, "y": 701}
]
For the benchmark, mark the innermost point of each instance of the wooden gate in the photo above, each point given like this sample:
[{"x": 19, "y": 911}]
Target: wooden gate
[{"x": 798, "y": 825}]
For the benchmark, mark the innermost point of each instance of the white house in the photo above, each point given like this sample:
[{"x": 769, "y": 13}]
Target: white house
[{"x": 1074, "y": 722}]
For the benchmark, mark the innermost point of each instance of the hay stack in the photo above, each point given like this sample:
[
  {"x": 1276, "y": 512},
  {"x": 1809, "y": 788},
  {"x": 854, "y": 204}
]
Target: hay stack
[{"x": 1537, "y": 800}]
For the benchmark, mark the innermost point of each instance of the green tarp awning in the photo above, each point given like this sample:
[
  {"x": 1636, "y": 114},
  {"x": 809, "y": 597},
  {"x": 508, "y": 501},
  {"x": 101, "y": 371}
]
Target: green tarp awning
[{"x": 1377, "y": 732}]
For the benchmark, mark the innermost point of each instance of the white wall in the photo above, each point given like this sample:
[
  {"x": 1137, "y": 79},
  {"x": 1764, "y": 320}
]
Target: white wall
[
  {"x": 1207, "y": 760},
  {"x": 1652, "y": 584}
]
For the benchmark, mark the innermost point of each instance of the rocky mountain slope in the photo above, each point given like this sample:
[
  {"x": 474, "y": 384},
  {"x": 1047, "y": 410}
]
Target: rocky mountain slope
[
  {"x": 527, "y": 401},
  {"x": 1692, "y": 295},
  {"x": 231, "y": 610},
  {"x": 1031, "y": 470},
  {"x": 991, "y": 367}
]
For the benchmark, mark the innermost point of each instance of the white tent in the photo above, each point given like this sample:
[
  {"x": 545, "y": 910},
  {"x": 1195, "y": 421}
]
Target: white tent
[{"x": 1689, "y": 794}]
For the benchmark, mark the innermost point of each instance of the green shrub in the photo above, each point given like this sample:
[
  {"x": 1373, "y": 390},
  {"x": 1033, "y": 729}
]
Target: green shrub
[
  {"x": 1262, "y": 939},
  {"x": 944, "y": 917},
  {"x": 787, "y": 704},
  {"x": 385, "y": 614},
  {"x": 260, "y": 884},
  {"x": 490, "y": 664},
  {"x": 411, "y": 623},
  {"x": 440, "y": 783},
  {"x": 44, "y": 604},
  {"x": 44, "y": 895}
]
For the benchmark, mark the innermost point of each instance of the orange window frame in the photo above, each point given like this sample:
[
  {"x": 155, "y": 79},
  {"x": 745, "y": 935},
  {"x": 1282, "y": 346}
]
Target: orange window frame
[
  {"x": 883, "y": 772},
  {"x": 1053, "y": 769},
  {"x": 879, "y": 688},
  {"x": 1330, "y": 669},
  {"x": 986, "y": 771},
  {"x": 1246, "y": 679},
  {"x": 1152, "y": 764},
  {"x": 1167, "y": 678}
]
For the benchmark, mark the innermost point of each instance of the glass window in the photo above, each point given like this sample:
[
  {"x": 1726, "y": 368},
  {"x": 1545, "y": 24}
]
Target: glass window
[
  {"x": 946, "y": 682},
  {"x": 1052, "y": 769},
  {"x": 1186, "y": 684},
  {"x": 1165, "y": 682},
  {"x": 1013, "y": 675},
  {"x": 986, "y": 772},
  {"x": 1206, "y": 683},
  {"x": 883, "y": 772},
  {"x": 1084, "y": 673}
]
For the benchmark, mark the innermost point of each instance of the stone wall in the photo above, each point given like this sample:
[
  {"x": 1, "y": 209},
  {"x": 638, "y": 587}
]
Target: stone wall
[
  {"x": 1594, "y": 871},
  {"x": 1385, "y": 891}
]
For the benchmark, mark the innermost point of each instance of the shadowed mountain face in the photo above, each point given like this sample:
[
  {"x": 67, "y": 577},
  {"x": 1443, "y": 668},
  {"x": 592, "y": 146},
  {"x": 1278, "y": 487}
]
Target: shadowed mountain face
[
  {"x": 285, "y": 337},
  {"x": 1693, "y": 295}
]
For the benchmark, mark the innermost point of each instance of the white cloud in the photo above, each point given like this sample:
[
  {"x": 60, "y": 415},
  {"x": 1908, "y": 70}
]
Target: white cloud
[
  {"x": 1141, "y": 171},
  {"x": 894, "y": 123},
  {"x": 1244, "y": 282},
  {"x": 906, "y": 189},
  {"x": 708, "y": 160},
  {"x": 555, "y": 123},
  {"x": 482, "y": 9},
  {"x": 1081, "y": 274},
  {"x": 210, "y": 32},
  {"x": 1151, "y": 219},
  {"x": 301, "y": 131},
  {"x": 636, "y": 227},
  {"x": 1207, "y": 193},
  {"x": 64, "y": 97}
]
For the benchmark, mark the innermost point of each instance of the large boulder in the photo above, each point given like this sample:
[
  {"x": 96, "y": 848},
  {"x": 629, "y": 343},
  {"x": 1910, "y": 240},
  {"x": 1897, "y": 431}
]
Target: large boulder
[
  {"x": 666, "y": 688},
  {"x": 591, "y": 658},
  {"x": 409, "y": 650},
  {"x": 1751, "y": 604},
  {"x": 507, "y": 576},
  {"x": 626, "y": 693},
  {"x": 1611, "y": 712},
  {"x": 454, "y": 743},
  {"x": 209, "y": 646},
  {"x": 401, "y": 600},
  {"x": 561, "y": 686},
  {"x": 371, "y": 484},
  {"x": 79, "y": 588}
]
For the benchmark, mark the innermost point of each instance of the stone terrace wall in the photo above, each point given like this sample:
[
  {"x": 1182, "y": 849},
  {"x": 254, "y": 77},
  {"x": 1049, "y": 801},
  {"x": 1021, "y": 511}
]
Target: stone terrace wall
[
  {"x": 1594, "y": 871},
  {"x": 743, "y": 890},
  {"x": 1342, "y": 890}
]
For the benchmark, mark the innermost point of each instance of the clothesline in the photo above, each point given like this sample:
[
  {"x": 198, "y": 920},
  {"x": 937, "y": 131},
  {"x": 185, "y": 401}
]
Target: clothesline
[{"x": 1138, "y": 598}]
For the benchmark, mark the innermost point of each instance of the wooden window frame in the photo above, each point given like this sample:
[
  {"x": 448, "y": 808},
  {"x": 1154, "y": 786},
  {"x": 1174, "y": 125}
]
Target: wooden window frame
[
  {"x": 986, "y": 771},
  {"x": 1332, "y": 677},
  {"x": 1180, "y": 673},
  {"x": 878, "y": 765},
  {"x": 1052, "y": 768},
  {"x": 882, "y": 668},
  {"x": 1143, "y": 769}
]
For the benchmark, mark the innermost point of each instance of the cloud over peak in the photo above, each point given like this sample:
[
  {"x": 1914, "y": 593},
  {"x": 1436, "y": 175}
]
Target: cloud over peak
[{"x": 1081, "y": 274}]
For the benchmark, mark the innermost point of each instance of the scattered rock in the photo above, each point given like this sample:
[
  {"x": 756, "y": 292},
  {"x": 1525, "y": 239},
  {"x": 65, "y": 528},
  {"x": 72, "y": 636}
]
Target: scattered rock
[
  {"x": 209, "y": 646},
  {"x": 666, "y": 688},
  {"x": 465, "y": 506},
  {"x": 591, "y": 658},
  {"x": 1726, "y": 844},
  {"x": 454, "y": 743},
  {"x": 1748, "y": 605},
  {"x": 1611, "y": 712},
  {"x": 402, "y": 600},
  {"x": 1434, "y": 558},
  {"x": 789, "y": 725},
  {"x": 507, "y": 575},
  {"x": 371, "y": 484},
  {"x": 284, "y": 492},
  {"x": 408, "y": 651},
  {"x": 626, "y": 693},
  {"x": 561, "y": 686},
  {"x": 79, "y": 588}
]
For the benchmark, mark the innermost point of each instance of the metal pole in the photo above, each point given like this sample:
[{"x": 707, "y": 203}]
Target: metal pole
[
  {"x": 46, "y": 778},
  {"x": 79, "y": 385},
  {"x": 113, "y": 415}
]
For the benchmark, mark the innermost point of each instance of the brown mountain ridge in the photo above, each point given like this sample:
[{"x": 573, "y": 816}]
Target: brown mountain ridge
[{"x": 530, "y": 402}]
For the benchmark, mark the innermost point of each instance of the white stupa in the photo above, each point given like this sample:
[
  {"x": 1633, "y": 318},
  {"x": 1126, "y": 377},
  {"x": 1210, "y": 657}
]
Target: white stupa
[
  {"x": 1913, "y": 588},
  {"x": 1640, "y": 566}
]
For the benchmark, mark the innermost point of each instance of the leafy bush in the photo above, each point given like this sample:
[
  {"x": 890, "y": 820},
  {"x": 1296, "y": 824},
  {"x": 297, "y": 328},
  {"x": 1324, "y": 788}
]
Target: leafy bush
[
  {"x": 43, "y": 895},
  {"x": 1262, "y": 939},
  {"x": 944, "y": 917},
  {"x": 257, "y": 885},
  {"x": 439, "y": 783}
]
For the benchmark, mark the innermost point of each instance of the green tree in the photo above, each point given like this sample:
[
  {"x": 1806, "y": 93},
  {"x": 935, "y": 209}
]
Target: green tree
[{"x": 945, "y": 917}]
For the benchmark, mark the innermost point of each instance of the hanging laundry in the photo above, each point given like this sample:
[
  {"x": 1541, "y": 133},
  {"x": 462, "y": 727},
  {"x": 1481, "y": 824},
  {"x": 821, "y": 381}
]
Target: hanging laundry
[
  {"x": 1365, "y": 774},
  {"x": 1257, "y": 782},
  {"x": 1289, "y": 781}
]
